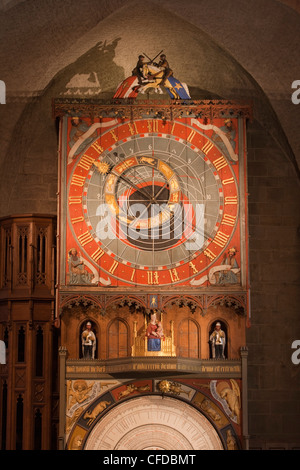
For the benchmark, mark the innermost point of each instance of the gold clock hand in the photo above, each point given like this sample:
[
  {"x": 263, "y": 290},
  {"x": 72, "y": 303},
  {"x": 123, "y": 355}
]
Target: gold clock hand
[
  {"x": 140, "y": 190},
  {"x": 151, "y": 201},
  {"x": 160, "y": 191}
]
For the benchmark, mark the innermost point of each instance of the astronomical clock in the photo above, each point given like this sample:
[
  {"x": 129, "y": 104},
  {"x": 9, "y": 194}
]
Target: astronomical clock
[
  {"x": 152, "y": 202},
  {"x": 152, "y": 244}
]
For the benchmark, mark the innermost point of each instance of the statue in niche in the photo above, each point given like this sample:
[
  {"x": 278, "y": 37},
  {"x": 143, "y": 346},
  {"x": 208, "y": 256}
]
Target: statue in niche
[
  {"x": 88, "y": 341},
  {"x": 218, "y": 341},
  {"x": 152, "y": 340},
  {"x": 154, "y": 333},
  {"x": 77, "y": 270}
]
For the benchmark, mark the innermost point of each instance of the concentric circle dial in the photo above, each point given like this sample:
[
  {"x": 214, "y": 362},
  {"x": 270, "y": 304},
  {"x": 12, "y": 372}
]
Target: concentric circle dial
[
  {"x": 141, "y": 193},
  {"x": 153, "y": 422},
  {"x": 157, "y": 207}
]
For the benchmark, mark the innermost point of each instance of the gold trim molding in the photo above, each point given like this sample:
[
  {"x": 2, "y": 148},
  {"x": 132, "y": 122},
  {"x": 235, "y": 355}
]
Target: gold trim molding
[{"x": 162, "y": 366}]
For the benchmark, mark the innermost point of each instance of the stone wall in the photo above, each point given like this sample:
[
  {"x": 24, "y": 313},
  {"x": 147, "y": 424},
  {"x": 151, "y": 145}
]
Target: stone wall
[
  {"x": 220, "y": 51},
  {"x": 274, "y": 381}
]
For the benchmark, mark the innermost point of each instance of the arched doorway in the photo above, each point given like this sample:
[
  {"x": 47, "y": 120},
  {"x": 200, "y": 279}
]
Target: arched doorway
[{"x": 153, "y": 422}]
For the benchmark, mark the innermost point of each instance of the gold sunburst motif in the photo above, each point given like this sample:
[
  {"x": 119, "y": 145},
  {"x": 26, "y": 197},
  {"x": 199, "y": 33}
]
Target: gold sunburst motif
[
  {"x": 164, "y": 386},
  {"x": 102, "y": 167}
]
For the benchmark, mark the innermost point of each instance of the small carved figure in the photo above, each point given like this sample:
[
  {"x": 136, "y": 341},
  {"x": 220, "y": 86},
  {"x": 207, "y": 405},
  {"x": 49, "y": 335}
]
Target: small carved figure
[
  {"x": 92, "y": 415},
  {"x": 232, "y": 397},
  {"x": 131, "y": 389},
  {"x": 147, "y": 160},
  {"x": 80, "y": 391},
  {"x": 163, "y": 64},
  {"x": 79, "y": 128},
  {"x": 71, "y": 420},
  {"x": 230, "y": 275},
  {"x": 154, "y": 341},
  {"x": 160, "y": 331},
  {"x": 165, "y": 386},
  {"x": 206, "y": 406},
  {"x": 218, "y": 340},
  {"x": 77, "y": 442},
  {"x": 88, "y": 340},
  {"x": 230, "y": 440},
  {"x": 149, "y": 75},
  {"x": 230, "y": 132},
  {"x": 138, "y": 69},
  {"x": 77, "y": 393},
  {"x": 77, "y": 270}
]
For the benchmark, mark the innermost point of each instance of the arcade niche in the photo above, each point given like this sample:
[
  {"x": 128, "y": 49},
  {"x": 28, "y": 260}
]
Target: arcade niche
[{"x": 125, "y": 326}]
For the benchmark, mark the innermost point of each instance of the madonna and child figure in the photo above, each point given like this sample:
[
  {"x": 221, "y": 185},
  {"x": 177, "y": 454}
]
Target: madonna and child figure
[{"x": 154, "y": 333}]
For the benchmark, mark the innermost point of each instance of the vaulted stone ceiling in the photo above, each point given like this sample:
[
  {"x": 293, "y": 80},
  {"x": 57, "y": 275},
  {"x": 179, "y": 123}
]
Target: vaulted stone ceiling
[{"x": 233, "y": 49}]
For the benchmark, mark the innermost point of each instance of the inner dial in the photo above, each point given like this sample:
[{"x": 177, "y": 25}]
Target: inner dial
[
  {"x": 143, "y": 193},
  {"x": 157, "y": 172}
]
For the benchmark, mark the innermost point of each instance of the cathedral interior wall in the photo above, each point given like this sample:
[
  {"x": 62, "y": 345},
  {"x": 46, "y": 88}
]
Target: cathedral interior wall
[{"x": 105, "y": 50}]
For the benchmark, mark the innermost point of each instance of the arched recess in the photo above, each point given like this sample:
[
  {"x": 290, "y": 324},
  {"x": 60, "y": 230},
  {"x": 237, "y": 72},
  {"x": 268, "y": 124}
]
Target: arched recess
[
  {"x": 188, "y": 338},
  {"x": 226, "y": 329},
  {"x": 153, "y": 422},
  {"x": 96, "y": 330},
  {"x": 117, "y": 339}
]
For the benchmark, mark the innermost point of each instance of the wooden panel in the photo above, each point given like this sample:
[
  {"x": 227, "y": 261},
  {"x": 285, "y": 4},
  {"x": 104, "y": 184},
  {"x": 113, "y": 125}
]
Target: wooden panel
[
  {"x": 117, "y": 339},
  {"x": 188, "y": 339}
]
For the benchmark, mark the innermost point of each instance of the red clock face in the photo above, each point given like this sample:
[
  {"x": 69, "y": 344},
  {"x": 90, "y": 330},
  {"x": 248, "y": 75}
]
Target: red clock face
[{"x": 152, "y": 202}]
